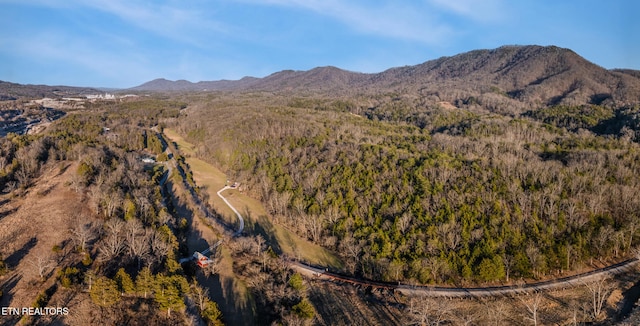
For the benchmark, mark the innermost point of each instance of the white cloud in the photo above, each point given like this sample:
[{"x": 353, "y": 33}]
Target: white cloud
[
  {"x": 168, "y": 19},
  {"x": 478, "y": 10},
  {"x": 390, "y": 19}
]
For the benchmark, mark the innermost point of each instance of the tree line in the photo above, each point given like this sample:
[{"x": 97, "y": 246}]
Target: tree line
[{"x": 453, "y": 197}]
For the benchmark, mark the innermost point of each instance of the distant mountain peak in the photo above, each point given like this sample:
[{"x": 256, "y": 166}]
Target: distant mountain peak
[{"x": 511, "y": 75}]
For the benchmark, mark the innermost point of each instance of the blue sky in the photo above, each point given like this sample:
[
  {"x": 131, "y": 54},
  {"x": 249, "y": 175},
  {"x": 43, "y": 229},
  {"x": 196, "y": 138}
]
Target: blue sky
[{"x": 123, "y": 43}]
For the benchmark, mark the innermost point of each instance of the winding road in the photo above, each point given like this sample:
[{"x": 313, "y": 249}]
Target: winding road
[
  {"x": 422, "y": 290},
  {"x": 436, "y": 291}
]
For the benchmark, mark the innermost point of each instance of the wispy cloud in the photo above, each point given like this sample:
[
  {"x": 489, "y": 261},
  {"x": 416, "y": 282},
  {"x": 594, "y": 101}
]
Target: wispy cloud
[
  {"x": 477, "y": 10},
  {"x": 390, "y": 19},
  {"x": 169, "y": 19},
  {"x": 165, "y": 20},
  {"x": 60, "y": 53}
]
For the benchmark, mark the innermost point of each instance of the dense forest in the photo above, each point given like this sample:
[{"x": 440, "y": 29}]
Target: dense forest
[
  {"x": 491, "y": 167},
  {"x": 402, "y": 190},
  {"x": 419, "y": 193}
]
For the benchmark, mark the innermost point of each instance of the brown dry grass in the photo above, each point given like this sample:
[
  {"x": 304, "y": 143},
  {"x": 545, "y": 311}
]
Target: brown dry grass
[
  {"x": 31, "y": 224},
  {"x": 447, "y": 105},
  {"x": 184, "y": 147},
  {"x": 348, "y": 305}
]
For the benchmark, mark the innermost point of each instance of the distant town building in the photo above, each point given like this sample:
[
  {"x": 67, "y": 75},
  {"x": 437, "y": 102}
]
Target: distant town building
[{"x": 105, "y": 96}]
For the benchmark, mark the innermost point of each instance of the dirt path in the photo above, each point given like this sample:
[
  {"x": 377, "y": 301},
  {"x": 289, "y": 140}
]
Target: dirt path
[
  {"x": 232, "y": 296},
  {"x": 256, "y": 218}
]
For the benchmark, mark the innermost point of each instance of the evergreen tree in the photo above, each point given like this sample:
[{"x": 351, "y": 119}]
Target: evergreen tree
[
  {"x": 104, "y": 292},
  {"x": 124, "y": 281},
  {"x": 169, "y": 291},
  {"x": 145, "y": 282},
  {"x": 211, "y": 314},
  {"x": 304, "y": 309},
  {"x": 296, "y": 282}
]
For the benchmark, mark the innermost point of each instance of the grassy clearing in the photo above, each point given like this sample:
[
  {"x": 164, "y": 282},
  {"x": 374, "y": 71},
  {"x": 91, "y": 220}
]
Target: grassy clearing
[
  {"x": 282, "y": 240},
  {"x": 184, "y": 147},
  {"x": 226, "y": 289}
]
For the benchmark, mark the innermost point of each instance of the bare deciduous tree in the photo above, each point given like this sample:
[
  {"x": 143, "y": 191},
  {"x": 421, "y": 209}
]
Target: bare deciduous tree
[
  {"x": 113, "y": 242},
  {"x": 137, "y": 240},
  {"x": 436, "y": 267},
  {"x": 508, "y": 261},
  {"x": 200, "y": 295},
  {"x": 112, "y": 202},
  {"x": 159, "y": 247},
  {"x": 259, "y": 243},
  {"x": 599, "y": 291},
  {"x": 497, "y": 311},
  {"x": 426, "y": 310},
  {"x": 42, "y": 263},
  {"x": 351, "y": 250},
  {"x": 83, "y": 232},
  {"x": 533, "y": 253},
  {"x": 532, "y": 303}
]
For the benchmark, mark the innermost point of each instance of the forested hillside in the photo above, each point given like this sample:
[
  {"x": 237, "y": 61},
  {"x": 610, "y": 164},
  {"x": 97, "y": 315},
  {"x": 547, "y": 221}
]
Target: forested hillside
[
  {"x": 487, "y": 168},
  {"x": 506, "y": 80},
  {"x": 434, "y": 195},
  {"x": 12, "y": 91},
  {"x": 106, "y": 247}
]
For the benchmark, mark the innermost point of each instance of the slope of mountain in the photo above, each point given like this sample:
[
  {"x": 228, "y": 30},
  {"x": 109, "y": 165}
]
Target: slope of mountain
[
  {"x": 529, "y": 74},
  {"x": 317, "y": 79},
  {"x": 12, "y": 91},
  {"x": 504, "y": 79},
  {"x": 517, "y": 77},
  {"x": 163, "y": 85}
]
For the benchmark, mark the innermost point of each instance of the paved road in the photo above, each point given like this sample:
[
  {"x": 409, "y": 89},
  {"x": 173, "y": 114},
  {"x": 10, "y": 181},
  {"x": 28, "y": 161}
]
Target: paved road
[
  {"x": 240, "y": 219},
  {"x": 208, "y": 215},
  {"x": 435, "y": 291}
]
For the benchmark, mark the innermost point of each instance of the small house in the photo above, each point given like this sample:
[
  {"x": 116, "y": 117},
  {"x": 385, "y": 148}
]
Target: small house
[{"x": 201, "y": 260}]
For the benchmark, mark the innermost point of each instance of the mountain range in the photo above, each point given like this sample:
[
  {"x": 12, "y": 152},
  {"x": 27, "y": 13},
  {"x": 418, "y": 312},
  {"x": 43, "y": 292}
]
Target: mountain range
[
  {"x": 518, "y": 77},
  {"x": 513, "y": 75},
  {"x": 13, "y": 91}
]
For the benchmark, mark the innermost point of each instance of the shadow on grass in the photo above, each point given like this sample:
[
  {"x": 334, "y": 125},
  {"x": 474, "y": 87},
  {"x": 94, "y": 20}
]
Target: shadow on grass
[
  {"x": 7, "y": 292},
  {"x": 14, "y": 259},
  {"x": 284, "y": 242},
  {"x": 236, "y": 305},
  {"x": 630, "y": 298},
  {"x": 3, "y": 201},
  {"x": 8, "y": 212},
  {"x": 263, "y": 227}
]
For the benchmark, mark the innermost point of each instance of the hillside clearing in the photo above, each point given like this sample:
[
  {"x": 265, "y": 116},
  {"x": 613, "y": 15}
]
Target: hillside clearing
[{"x": 212, "y": 179}]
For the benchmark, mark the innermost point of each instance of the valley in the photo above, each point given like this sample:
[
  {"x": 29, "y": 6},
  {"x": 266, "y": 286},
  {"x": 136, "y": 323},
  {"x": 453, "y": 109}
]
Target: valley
[{"x": 490, "y": 187}]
